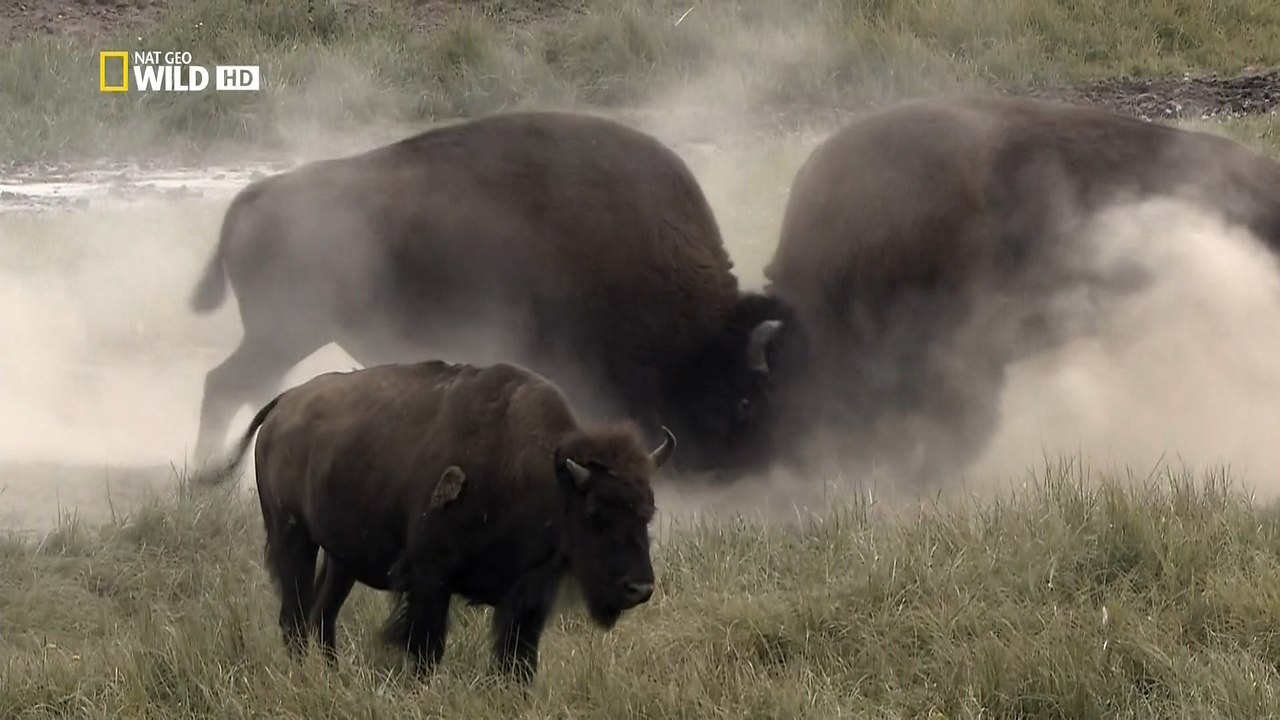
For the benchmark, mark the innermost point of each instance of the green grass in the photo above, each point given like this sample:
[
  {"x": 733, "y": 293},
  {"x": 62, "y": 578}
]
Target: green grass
[
  {"x": 343, "y": 72},
  {"x": 1072, "y": 596}
]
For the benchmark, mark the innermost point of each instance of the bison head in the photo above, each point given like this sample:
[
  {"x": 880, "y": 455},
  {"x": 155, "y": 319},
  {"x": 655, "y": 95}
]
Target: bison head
[
  {"x": 609, "y": 505},
  {"x": 720, "y": 401}
]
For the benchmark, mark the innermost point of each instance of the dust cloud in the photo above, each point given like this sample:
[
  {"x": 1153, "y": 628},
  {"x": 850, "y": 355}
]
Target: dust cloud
[
  {"x": 100, "y": 369},
  {"x": 1182, "y": 372},
  {"x": 103, "y": 371}
]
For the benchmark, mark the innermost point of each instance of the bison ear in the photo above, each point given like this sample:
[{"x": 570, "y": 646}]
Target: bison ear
[
  {"x": 758, "y": 344},
  {"x": 579, "y": 477}
]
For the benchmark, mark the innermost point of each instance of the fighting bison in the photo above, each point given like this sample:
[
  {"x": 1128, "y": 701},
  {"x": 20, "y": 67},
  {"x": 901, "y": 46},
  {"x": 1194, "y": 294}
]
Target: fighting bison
[
  {"x": 433, "y": 479},
  {"x": 923, "y": 245},
  {"x": 567, "y": 243}
]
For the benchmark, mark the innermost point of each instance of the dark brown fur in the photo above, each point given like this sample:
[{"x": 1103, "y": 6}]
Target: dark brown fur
[
  {"x": 350, "y": 462},
  {"x": 919, "y": 220},
  {"x": 587, "y": 243}
]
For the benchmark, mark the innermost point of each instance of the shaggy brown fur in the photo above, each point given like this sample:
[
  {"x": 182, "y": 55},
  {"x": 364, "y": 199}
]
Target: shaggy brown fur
[
  {"x": 922, "y": 245},
  {"x": 586, "y": 246},
  {"x": 350, "y": 462}
]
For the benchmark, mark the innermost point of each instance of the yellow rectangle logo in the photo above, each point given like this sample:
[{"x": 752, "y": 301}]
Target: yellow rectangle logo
[{"x": 123, "y": 57}]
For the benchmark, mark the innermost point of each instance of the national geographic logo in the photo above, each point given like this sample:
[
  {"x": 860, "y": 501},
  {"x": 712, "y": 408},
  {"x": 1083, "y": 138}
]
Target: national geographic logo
[
  {"x": 108, "y": 58},
  {"x": 169, "y": 71}
]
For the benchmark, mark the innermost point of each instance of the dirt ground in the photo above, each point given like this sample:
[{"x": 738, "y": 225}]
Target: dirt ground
[{"x": 82, "y": 18}]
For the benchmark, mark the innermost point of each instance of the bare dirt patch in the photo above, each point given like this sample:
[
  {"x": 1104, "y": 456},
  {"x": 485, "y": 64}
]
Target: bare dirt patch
[
  {"x": 21, "y": 19},
  {"x": 1254, "y": 92}
]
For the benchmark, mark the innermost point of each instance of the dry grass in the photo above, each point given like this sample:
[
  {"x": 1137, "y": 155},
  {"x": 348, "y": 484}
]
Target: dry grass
[{"x": 1069, "y": 597}]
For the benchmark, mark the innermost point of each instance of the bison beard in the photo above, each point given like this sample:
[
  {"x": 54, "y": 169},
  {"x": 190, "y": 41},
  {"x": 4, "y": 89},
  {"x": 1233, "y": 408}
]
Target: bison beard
[
  {"x": 925, "y": 247},
  {"x": 584, "y": 249},
  {"x": 430, "y": 480}
]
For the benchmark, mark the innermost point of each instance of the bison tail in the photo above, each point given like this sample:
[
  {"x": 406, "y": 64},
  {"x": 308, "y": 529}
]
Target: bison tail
[
  {"x": 211, "y": 291},
  {"x": 398, "y": 628},
  {"x": 238, "y": 457}
]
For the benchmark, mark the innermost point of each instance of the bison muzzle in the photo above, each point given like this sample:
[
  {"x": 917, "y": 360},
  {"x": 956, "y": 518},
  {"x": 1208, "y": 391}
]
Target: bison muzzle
[{"x": 433, "y": 479}]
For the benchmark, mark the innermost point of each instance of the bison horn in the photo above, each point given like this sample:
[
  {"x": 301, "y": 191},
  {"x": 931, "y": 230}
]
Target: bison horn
[
  {"x": 662, "y": 453},
  {"x": 761, "y": 336},
  {"x": 580, "y": 474}
]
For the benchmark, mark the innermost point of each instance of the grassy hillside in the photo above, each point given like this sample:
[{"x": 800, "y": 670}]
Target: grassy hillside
[
  {"x": 343, "y": 65},
  {"x": 1068, "y": 598}
]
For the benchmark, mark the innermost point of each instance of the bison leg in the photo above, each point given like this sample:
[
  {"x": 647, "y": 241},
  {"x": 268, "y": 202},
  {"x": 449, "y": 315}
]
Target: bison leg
[
  {"x": 334, "y": 586},
  {"x": 951, "y": 417},
  {"x": 291, "y": 560},
  {"x": 424, "y": 626},
  {"x": 518, "y": 622},
  {"x": 249, "y": 374}
]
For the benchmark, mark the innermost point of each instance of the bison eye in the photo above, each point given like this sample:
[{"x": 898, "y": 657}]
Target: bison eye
[
  {"x": 744, "y": 408},
  {"x": 595, "y": 514}
]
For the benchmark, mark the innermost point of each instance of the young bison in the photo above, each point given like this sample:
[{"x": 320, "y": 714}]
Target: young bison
[{"x": 434, "y": 479}]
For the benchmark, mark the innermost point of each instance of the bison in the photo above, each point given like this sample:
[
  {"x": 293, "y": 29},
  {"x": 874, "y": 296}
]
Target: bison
[
  {"x": 435, "y": 479},
  {"x": 923, "y": 245},
  {"x": 567, "y": 243}
]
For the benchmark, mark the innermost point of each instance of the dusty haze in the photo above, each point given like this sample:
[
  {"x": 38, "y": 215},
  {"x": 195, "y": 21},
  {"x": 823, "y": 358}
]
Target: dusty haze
[
  {"x": 1185, "y": 371},
  {"x": 104, "y": 364}
]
